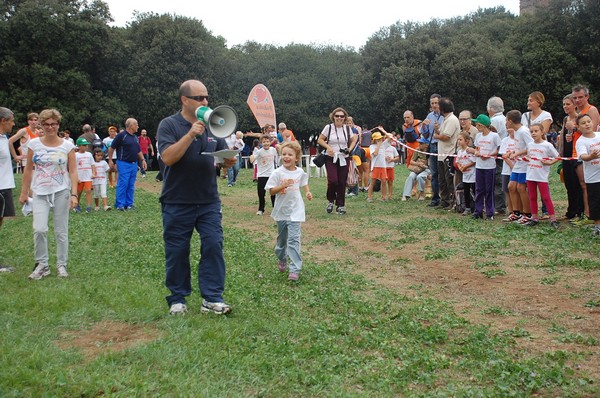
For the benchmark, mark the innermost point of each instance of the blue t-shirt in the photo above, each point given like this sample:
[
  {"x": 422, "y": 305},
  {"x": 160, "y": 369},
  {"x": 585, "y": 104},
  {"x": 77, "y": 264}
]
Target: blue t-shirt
[
  {"x": 427, "y": 129},
  {"x": 126, "y": 146},
  {"x": 193, "y": 179}
]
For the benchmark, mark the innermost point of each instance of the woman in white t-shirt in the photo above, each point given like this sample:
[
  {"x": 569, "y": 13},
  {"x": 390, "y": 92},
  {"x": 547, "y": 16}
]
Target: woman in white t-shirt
[
  {"x": 338, "y": 140},
  {"x": 54, "y": 187},
  {"x": 536, "y": 114}
]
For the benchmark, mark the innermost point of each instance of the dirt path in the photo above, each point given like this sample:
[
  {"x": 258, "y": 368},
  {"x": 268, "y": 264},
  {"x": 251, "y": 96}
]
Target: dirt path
[{"x": 542, "y": 317}]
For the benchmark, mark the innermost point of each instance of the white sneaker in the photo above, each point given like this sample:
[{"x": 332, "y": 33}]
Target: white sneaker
[
  {"x": 260, "y": 213},
  {"x": 178, "y": 309},
  {"x": 217, "y": 308},
  {"x": 39, "y": 272},
  {"x": 62, "y": 271}
]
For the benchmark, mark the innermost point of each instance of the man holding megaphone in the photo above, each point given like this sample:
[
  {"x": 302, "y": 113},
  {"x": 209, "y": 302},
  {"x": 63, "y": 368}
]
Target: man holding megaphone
[{"x": 190, "y": 200}]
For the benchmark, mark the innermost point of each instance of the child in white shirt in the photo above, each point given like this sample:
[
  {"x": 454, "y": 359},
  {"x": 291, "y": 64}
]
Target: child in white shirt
[
  {"x": 588, "y": 150},
  {"x": 539, "y": 153},
  {"x": 289, "y": 213},
  {"x": 378, "y": 164},
  {"x": 487, "y": 143},
  {"x": 264, "y": 159},
  {"x": 507, "y": 146},
  {"x": 391, "y": 158},
  {"x": 99, "y": 180},
  {"x": 85, "y": 172},
  {"x": 465, "y": 163}
]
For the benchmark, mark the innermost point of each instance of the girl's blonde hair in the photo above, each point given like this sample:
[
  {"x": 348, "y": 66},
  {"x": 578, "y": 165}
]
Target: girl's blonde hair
[{"x": 294, "y": 146}]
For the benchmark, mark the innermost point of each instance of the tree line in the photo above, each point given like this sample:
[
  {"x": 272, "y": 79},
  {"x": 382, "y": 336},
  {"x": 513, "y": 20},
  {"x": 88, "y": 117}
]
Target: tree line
[{"x": 65, "y": 54}]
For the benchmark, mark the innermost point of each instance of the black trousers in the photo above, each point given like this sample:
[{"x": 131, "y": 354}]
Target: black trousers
[{"x": 574, "y": 191}]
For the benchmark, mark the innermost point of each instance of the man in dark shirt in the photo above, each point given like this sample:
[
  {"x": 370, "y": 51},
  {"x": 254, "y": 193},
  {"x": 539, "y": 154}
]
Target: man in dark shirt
[
  {"x": 129, "y": 154},
  {"x": 190, "y": 201}
]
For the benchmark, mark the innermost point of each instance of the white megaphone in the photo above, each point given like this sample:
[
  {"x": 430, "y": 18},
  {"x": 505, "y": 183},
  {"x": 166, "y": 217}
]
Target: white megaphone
[{"x": 221, "y": 121}]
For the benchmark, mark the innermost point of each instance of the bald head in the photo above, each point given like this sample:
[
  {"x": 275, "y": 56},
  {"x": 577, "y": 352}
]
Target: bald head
[
  {"x": 131, "y": 125},
  {"x": 192, "y": 88},
  {"x": 408, "y": 117}
]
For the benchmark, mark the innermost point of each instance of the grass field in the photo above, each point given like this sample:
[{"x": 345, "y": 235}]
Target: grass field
[{"x": 338, "y": 332}]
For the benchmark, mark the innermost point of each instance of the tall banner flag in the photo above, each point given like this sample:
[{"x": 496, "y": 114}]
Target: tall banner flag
[{"x": 262, "y": 106}]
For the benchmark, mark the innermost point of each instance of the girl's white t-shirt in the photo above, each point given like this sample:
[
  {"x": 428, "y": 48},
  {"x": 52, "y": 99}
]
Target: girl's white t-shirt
[
  {"x": 265, "y": 161},
  {"x": 536, "y": 170},
  {"x": 506, "y": 145},
  {"x": 50, "y": 174},
  {"x": 591, "y": 168},
  {"x": 463, "y": 158},
  {"x": 379, "y": 159},
  {"x": 289, "y": 205},
  {"x": 101, "y": 169},
  {"x": 487, "y": 144}
]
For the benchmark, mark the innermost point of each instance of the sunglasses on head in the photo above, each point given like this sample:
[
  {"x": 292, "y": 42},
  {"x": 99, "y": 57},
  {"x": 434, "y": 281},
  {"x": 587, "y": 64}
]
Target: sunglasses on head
[{"x": 198, "y": 98}]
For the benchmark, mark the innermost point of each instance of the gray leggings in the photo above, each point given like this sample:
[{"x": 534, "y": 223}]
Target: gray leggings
[
  {"x": 288, "y": 244},
  {"x": 58, "y": 203}
]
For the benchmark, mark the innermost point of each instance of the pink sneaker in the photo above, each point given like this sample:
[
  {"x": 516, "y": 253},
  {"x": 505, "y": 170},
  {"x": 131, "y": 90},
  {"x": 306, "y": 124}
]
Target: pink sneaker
[
  {"x": 293, "y": 276},
  {"x": 282, "y": 265}
]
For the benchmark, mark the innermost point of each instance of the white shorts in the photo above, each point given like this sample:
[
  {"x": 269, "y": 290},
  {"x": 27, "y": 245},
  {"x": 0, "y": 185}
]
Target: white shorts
[{"x": 100, "y": 191}]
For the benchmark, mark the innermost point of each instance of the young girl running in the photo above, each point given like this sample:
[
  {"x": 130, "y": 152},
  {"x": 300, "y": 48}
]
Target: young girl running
[
  {"x": 285, "y": 183},
  {"x": 541, "y": 155}
]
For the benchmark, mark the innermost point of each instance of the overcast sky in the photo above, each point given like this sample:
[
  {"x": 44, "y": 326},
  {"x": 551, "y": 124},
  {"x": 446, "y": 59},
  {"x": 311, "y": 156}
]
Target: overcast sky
[{"x": 348, "y": 23}]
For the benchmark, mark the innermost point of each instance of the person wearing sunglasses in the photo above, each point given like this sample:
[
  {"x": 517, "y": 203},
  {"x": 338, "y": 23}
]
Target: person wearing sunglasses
[
  {"x": 53, "y": 182},
  {"x": 339, "y": 142},
  {"x": 190, "y": 201}
]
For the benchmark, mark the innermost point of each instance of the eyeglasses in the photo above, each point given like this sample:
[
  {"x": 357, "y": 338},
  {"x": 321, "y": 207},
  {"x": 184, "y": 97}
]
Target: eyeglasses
[
  {"x": 340, "y": 116},
  {"x": 48, "y": 125},
  {"x": 198, "y": 98}
]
